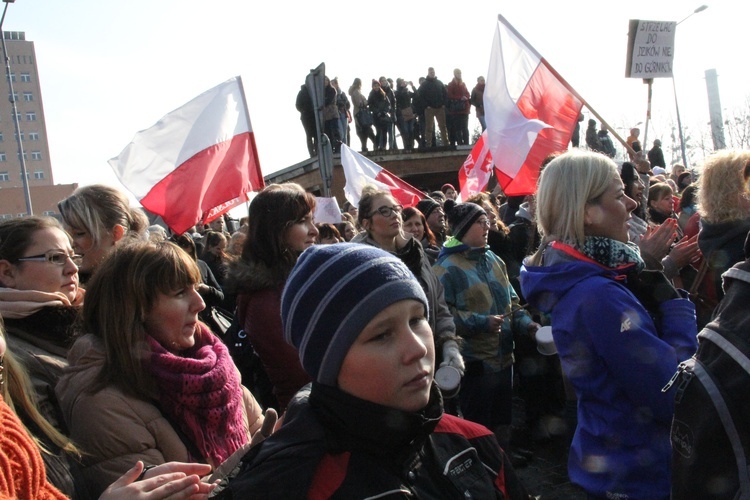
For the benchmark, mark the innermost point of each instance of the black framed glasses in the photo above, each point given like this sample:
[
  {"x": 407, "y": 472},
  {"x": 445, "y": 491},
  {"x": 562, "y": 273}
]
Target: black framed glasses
[
  {"x": 387, "y": 211},
  {"x": 55, "y": 257}
]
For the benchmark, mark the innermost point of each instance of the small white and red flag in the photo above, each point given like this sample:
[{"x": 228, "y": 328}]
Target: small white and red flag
[
  {"x": 195, "y": 163},
  {"x": 361, "y": 171},
  {"x": 476, "y": 171},
  {"x": 530, "y": 110}
]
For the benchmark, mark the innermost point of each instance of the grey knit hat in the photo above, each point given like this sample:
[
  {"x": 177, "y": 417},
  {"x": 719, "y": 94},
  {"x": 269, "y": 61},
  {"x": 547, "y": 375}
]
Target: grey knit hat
[
  {"x": 332, "y": 294},
  {"x": 462, "y": 216}
]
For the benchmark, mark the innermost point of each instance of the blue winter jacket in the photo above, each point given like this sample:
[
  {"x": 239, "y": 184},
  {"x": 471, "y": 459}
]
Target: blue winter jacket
[{"x": 618, "y": 361}]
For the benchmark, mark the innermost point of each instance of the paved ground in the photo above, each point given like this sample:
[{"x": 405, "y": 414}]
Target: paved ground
[{"x": 547, "y": 475}]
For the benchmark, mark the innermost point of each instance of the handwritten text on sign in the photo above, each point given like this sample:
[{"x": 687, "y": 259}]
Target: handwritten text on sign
[{"x": 650, "y": 49}]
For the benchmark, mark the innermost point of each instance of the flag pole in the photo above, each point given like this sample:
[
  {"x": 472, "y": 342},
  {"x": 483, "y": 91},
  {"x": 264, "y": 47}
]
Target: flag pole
[
  {"x": 250, "y": 125},
  {"x": 567, "y": 85}
]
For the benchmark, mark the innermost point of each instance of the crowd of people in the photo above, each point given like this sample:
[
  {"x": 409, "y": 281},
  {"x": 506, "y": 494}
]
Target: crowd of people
[
  {"x": 389, "y": 107},
  {"x": 118, "y": 380}
]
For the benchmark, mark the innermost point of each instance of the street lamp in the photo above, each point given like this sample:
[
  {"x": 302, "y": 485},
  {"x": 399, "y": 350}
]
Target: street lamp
[
  {"x": 674, "y": 89},
  {"x": 699, "y": 9},
  {"x": 12, "y": 99}
]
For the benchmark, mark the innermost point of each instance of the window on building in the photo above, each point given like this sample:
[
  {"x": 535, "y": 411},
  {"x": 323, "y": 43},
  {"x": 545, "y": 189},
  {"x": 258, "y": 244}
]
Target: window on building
[
  {"x": 18, "y": 115},
  {"x": 6, "y": 216},
  {"x": 13, "y": 98},
  {"x": 1, "y": 137},
  {"x": 28, "y": 96},
  {"x": 39, "y": 174},
  {"x": 3, "y": 157},
  {"x": 33, "y": 136},
  {"x": 23, "y": 136},
  {"x": 49, "y": 213},
  {"x": 12, "y": 77},
  {"x": 25, "y": 157},
  {"x": 25, "y": 77},
  {"x": 4, "y": 176},
  {"x": 31, "y": 116},
  {"x": 36, "y": 155}
]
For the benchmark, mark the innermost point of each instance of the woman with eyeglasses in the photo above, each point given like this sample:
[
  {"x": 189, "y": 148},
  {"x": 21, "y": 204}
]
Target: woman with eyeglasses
[
  {"x": 487, "y": 315},
  {"x": 380, "y": 217},
  {"x": 39, "y": 304},
  {"x": 280, "y": 228}
]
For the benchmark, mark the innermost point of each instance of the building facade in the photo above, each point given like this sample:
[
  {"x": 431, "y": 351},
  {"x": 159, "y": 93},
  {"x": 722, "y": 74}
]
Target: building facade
[{"x": 27, "y": 94}]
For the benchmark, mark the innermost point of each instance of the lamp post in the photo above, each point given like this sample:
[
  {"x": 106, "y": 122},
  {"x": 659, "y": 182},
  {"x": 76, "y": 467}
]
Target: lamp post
[
  {"x": 12, "y": 99},
  {"x": 674, "y": 89}
]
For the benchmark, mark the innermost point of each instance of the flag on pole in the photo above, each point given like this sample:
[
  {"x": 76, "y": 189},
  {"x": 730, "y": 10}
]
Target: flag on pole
[
  {"x": 360, "y": 171},
  {"x": 530, "y": 111},
  {"x": 195, "y": 163},
  {"x": 476, "y": 171}
]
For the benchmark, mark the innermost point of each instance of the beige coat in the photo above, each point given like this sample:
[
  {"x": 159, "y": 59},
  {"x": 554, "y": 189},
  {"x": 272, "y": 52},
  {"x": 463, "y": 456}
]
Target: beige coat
[{"x": 115, "y": 429}]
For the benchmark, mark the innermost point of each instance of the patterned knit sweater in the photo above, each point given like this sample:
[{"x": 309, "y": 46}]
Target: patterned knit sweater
[{"x": 22, "y": 472}]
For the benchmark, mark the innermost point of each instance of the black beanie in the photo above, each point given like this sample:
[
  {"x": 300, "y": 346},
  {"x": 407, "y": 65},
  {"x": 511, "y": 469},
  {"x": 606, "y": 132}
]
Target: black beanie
[
  {"x": 462, "y": 216},
  {"x": 426, "y": 206}
]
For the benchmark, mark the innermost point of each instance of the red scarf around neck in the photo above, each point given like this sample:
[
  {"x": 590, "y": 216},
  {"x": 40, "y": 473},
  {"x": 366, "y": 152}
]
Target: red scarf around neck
[{"x": 202, "y": 393}]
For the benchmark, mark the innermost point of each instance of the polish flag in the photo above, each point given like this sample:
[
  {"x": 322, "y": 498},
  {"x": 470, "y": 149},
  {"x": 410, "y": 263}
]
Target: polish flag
[
  {"x": 530, "y": 110},
  {"x": 197, "y": 162},
  {"x": 361, "y": 171},
  {"x": 476, "y": 171}
]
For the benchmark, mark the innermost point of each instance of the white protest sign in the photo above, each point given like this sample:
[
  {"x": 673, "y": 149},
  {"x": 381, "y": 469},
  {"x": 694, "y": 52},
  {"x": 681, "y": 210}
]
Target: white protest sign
[
  {"x": 327, "y": 210},
  {"x": 650, "y": 49}
]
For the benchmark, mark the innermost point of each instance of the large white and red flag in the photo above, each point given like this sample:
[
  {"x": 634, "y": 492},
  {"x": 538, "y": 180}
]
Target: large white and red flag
[
  {"x": 476, "y": 171},
  {"x": 195, "y": 163},
  {"x": 530, "y": 110},
  {"x": 361, "y": 171}
]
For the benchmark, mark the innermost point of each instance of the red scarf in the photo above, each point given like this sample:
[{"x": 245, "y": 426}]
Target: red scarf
[
  {"x": 203, "y": 394},
  {"x": 21, "y": 466}
]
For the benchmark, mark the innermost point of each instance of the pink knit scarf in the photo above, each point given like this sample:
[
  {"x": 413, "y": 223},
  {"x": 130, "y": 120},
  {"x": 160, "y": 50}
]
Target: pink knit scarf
[{"x": 202, "y": 393}]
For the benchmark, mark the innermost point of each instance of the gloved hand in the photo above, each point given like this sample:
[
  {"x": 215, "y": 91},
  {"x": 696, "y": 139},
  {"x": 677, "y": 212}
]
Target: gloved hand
[
  {"x": 651, "y": 288},
  {"x": 452, "y": 356}
]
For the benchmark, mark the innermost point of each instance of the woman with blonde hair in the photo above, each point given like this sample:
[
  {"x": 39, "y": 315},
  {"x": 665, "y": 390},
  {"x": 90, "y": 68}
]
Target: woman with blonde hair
[
  {"x": 97, "y": 217},
  {"x": 724, "y": 208},
  {"x": 148, "y": 381},
  {"x": 620, "y": 331}
]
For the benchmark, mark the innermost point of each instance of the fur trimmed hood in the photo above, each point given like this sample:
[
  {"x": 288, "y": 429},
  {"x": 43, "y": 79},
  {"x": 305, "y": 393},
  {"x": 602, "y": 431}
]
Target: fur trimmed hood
[{"x": 245, "y": 277}]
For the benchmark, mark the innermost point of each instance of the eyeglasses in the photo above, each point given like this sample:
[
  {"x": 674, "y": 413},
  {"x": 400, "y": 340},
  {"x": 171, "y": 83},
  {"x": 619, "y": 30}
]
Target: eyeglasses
[
  {"x": 54, "y": 257},
  {"x": 483, "y": 222},
  {"x": 387, "y": 211}
]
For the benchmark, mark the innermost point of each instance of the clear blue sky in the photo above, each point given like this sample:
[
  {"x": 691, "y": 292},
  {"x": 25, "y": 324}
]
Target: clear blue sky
[{"x": 110, "y": 69}]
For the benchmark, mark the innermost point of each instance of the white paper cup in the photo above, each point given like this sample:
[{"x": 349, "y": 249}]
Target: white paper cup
[
  {"x": 448, "y": 379},
  {"x": 544, "y": 342}
]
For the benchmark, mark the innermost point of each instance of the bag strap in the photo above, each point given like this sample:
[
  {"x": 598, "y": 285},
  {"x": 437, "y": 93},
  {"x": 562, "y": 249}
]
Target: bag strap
[
  {"x": 699, "y": 277},
  {"x": 725, "y": 345},
  {"x": 726, "y": 419}
]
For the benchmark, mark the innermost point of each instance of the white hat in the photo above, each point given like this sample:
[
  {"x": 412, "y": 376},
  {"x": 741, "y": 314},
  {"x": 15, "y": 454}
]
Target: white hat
[{"x": 658, "y": 171}]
